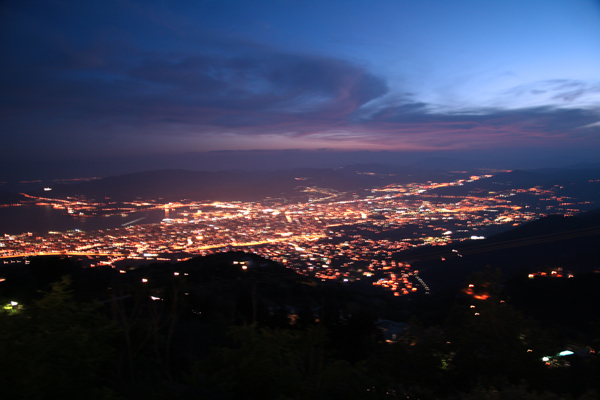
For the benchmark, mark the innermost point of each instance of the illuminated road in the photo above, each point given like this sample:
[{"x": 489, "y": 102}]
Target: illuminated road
[
  {"x": 60, "y": 253},
  {"x": 133, "y": 222},
  {"x": 268, "y": 241}
]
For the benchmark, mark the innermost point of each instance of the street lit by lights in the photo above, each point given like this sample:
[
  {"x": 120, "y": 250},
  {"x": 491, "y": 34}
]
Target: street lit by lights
[{"x": 311, "y": 237}]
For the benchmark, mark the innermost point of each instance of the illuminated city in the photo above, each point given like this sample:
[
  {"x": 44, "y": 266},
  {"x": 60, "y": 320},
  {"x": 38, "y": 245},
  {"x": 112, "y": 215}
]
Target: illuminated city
[
  {"x": 333, "y": 236},
  {"x": 300, "y": 200}
]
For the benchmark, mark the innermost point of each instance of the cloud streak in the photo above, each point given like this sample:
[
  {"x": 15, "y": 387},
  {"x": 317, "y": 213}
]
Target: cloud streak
[{"x": 112, "y": 86}]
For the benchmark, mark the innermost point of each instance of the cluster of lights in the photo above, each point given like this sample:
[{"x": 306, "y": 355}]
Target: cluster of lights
[{"x": 294, "y": 233}]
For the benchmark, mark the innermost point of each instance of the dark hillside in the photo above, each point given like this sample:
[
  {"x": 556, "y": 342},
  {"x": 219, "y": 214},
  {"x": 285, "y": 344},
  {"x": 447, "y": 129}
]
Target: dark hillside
[
  {"x": 239, "y": 326},
  {"x": 570, "y": 243}
]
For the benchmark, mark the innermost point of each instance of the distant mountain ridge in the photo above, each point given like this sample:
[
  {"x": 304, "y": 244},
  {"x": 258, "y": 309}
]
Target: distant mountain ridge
[{"x": 174, "y": 185}]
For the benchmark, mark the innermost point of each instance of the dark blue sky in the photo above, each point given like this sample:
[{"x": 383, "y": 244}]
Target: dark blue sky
[{"x": 115, "y": 86}]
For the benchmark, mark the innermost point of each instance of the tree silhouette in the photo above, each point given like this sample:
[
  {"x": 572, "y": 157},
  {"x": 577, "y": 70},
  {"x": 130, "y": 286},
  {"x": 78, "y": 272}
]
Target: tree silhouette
[{"x": 55, "y": 348}]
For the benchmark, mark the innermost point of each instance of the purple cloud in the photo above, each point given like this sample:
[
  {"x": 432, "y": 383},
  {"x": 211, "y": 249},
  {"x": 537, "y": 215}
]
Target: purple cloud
[{"x": 116, "y": 87}]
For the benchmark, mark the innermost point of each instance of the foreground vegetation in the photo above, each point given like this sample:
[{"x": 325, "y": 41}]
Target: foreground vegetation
[{"x": 235, "y": 326}]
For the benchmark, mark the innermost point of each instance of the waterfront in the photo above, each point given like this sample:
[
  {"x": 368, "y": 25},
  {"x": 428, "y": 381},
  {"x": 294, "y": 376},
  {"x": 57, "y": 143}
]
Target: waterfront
[
  {"x": 42, "y": 219},
  {"x": 332, "y": 236}
]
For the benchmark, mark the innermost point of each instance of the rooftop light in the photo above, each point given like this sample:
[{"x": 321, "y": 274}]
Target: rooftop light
[{"x": 565, "y": 353}]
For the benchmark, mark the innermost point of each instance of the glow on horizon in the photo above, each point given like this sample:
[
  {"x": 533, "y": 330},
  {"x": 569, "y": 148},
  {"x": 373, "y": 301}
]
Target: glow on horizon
[{"x": 140, "y": 78}]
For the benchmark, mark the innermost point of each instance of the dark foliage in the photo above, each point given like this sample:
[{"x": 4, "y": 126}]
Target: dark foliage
[{"x": 237, "y": 326}]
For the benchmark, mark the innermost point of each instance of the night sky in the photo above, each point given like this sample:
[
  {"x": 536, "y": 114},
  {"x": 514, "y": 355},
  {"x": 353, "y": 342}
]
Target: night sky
[{"x": 117, "y": 86}]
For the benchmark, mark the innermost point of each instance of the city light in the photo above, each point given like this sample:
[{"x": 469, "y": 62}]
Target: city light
[{"x": 334, "y": 236}]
